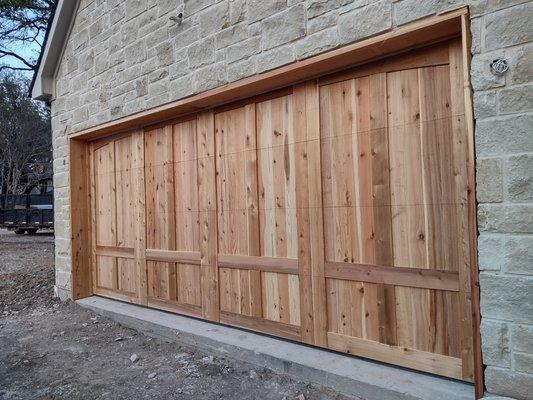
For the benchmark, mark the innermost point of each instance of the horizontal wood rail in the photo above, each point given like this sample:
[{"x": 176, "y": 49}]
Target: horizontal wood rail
[
  {"x": 274, "y": 328},
  {"x": 114, "y": 251},
  {"x": 406, "y": 357},
  {"x": 183, "y": 257},
  {"x": 265, "y": 264},
  {"x": 401, "y": 276},
  {"x": 415, "y": 35}
]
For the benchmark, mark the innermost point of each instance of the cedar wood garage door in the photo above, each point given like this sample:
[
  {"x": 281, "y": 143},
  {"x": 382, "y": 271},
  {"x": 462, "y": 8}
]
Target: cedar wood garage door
[{"x": 333, "y": 212}]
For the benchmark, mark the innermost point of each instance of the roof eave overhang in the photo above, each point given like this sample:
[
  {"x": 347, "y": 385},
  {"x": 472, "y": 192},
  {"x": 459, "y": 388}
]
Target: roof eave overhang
[{"x": 43, "y": 83}]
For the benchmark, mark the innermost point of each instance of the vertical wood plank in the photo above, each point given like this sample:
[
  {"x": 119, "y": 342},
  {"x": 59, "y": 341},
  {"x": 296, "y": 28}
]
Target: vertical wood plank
[
  {"x": 105, "y": 214},
  {"x": 125, "y": 198},
  {"x": 185, "y": 156},
  {"x": 444, "y": 194},
  {"x": 139, "y": 207},
  {"x": 252, "y": 288},
  {"x": 238, "y": 206},
  {"x": 160, "y": 209},
  {"x": 382, "y": 216},
  {"x": 413, "y": 312},
  {"x": 208, "y": 215},
  {"x": 277, "y": 205},
  {"x": 313, "y": 316}
]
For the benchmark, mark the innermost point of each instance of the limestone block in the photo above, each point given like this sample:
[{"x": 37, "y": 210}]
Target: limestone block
[
  {"x": 508, "y": 27},
  {"x": 518, "y": 255},
  {"x": 317, "y": 43},
  {"x": 505, "y": 135},
  {"x": 519, "y": 177},
  {"x": 506, "y": 297},
  {"x": 366, "y": 21},
  {"x": 489, "y": 182},
  {"x": 283, "y": 27},
  {"x": 495, "y": 343}
]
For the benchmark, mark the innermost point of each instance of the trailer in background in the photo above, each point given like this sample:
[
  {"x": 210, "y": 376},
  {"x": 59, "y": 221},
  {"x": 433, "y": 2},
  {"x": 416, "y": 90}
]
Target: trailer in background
[{"x": 28, "y": 212}]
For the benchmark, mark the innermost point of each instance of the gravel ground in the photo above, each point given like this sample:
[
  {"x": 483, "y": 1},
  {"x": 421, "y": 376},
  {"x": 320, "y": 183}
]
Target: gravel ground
[{"x": 57, "y": 350}]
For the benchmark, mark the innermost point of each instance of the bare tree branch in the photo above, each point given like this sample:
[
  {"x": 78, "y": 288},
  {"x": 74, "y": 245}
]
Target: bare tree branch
[
  {"x": 11, "y": 68},
  {"x": 4, "y": 53},
  {"x": 22, "y": 23}
]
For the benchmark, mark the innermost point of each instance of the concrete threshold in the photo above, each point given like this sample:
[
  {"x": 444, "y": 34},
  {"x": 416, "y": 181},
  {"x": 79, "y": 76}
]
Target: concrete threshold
[{"x": 346, "y": 374}]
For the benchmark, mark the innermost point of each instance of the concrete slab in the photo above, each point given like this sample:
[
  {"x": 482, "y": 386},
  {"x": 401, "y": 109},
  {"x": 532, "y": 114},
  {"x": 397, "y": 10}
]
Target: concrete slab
[{"x": 346, "y": 374}]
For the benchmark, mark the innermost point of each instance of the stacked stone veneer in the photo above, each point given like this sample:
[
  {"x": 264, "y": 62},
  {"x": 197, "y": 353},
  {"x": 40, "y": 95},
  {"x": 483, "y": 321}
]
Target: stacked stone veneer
[{"x": 127, "y": 56}]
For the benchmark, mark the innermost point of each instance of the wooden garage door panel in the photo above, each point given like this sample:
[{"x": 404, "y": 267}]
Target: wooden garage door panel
[
  {"x": 281, "y": 293},
  {"x": 114, "y": 217},
  {"x": 334, "y": 212},
  {"x": 419, "y": 207},
  {"x": 394, "y": 181},
  {"x": 172, "y": 213},
  {"x": 360, "y": 309},
  {"x": 256, "y": 188}
]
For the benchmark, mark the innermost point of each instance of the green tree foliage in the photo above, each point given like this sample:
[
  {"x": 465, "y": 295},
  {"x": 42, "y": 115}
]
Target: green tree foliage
[
  {"x": 22, "y": 27},
  {"x": 25, "y": 137}
]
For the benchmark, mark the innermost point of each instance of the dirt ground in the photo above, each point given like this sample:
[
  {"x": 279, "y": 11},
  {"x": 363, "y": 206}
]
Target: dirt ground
[{"x": 57, "y": 350}]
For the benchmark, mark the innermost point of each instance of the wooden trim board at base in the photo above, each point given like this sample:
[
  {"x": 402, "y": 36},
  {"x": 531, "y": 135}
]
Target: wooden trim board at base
[
  {"x": 112, "y": 294},
  {"x": 175, "y": 307},
  {"x": 274, "y": 328},
  {"x": 410, "y": 358}
]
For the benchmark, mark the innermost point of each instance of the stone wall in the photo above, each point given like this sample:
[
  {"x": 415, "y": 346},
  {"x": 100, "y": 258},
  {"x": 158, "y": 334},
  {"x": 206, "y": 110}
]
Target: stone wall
[
  {"x": 126, "y": 56},
  {"x": 504, "y": 148}
]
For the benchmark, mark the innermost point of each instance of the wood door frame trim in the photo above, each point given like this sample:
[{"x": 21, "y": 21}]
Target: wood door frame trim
[
  {"x": 415, "y": 35},
  {"x": 479, "y": 378}
]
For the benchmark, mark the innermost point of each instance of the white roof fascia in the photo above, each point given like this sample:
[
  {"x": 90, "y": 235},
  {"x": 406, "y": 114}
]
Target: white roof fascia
[{"x": 43, "y": 86}]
